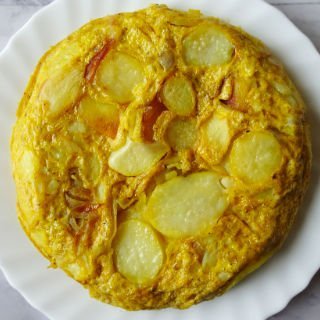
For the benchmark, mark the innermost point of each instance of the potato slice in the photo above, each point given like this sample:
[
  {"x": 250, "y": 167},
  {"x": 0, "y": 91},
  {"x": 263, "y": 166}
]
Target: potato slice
[
  {"x": 207, "y": 46},
  {"x": 138, "y": 252},
  {"x": 104, "y": 117},
  {"x": 216, "y": 138},
  {"x": 181, "y": 134},
  {"x": 187, "y": 206},
  {"x": 120, "y": 73},
  {"x": 135, "y": 158},
  {"x": 178, "y": 96},
  {"x": 61, "y": 92},
  {"x": 255, "y": 157}
]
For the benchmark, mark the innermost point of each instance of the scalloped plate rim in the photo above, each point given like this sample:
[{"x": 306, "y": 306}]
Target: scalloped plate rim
[{"x": 295, "y": 289}]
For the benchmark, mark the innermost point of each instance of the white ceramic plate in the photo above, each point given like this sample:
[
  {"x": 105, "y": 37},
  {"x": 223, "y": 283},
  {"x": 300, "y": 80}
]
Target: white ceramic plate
[{"x": 265, "y": 292}]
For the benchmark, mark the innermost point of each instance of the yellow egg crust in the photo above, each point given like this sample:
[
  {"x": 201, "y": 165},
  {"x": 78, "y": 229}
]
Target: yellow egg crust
[{"x": 159, "y": 157}]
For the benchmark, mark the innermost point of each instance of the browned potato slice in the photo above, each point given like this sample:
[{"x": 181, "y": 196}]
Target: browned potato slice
[
  {"x": 61, "y": 92},
  {"x": 135, "y": 158},
  {"x": 104, "y": 117},
  {"x": 255, "y": 157},
  {"x": 138, "y": 252},
  {"x": 207, "y": 46},
  {"x": 181, "y": 134},
  {"x": 178, "y": 96},
  {"x": 120, "y": 73},
  {"x": 187, "y": 206}
]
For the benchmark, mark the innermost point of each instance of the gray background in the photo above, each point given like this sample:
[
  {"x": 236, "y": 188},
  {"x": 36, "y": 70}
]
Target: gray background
[{"x": 304, "y": 13}]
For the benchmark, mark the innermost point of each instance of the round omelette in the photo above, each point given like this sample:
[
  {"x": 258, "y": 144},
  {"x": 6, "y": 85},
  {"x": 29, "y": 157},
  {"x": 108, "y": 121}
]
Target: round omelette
[{"x": 159, "y": 157}]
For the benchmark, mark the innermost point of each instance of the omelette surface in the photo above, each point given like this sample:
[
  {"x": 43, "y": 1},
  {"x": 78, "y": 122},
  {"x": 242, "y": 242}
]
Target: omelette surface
[{"x": 159, "y": 157}]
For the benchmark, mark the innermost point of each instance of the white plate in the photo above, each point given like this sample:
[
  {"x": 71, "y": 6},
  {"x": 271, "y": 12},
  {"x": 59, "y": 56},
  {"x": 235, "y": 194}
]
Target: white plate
[{"x": 265, "y": 292}]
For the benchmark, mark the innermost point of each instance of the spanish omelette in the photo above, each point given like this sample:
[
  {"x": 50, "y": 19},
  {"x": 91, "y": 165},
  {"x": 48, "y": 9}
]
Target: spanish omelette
[{"x": 159, "y": 157}]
